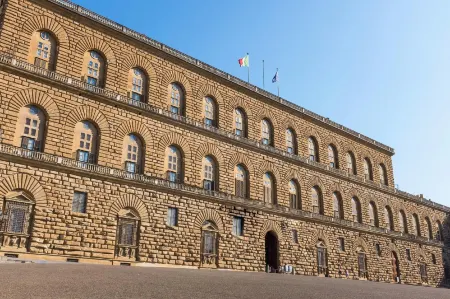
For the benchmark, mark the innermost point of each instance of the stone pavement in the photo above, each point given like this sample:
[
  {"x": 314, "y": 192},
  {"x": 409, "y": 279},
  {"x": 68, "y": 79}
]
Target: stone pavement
[{"x": 95, "y": 281}]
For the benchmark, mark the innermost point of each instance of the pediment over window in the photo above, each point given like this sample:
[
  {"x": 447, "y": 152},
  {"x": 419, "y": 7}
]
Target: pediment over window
[
  {"x": 19, "y": 195},
  {"x": 128, "y": 213},
  {"x": 210, "y": 226}
]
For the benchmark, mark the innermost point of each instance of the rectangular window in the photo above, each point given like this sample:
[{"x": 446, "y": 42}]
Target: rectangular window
[
  {"x": 127, "y": 232},
  {"x": 295, "y": 236},
  {"x": 79, "y": 202},
  {"x": 136, "y": 97},
  {"x": 378, "y": 249},
  {"x": 341, "y": 244},
  {"x": 209, "y": 122},
  {"x": 423, "y": 272},
  {"x": 172, "y": 217},
  {"x": 83, "y": 156},
  {"x": 293, "y": 201},
  {"x": 408, "y": 254},
  {"x": 362, "y": 265},
  {"x": 174, "y": 109},
  {"x": 238, "y": 132},
  {"x": 172, "y": 176},
  {"x": 92, "y": 81},
  {"x": 17, "y": 217},
  {"x": 268, "y": 194},
  {"x": 240, "y": 189},
  {"x": 28, "y": 143},
  {"x": 208, "y": 185},
  {"x": 238, "y": 226},
  {"x": 131, "y": 167},
  {"x": 40, "y": 63}
]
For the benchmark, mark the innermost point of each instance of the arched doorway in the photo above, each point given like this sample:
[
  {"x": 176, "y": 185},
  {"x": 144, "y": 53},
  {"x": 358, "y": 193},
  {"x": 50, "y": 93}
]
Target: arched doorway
[
  {"x": 395, "y": 267},
  {"x": 209, "y": 245},
  {"x": 271, "y": 252}
]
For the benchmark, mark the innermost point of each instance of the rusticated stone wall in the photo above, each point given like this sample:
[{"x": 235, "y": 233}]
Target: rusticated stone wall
[{"x": 56, "y": 231}]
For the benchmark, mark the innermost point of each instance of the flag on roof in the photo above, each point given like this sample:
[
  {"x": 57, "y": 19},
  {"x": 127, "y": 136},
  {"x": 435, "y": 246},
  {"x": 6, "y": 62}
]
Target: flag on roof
[
  {"x": 245, "y": 61},
  {"x": 275, "y": 78}
]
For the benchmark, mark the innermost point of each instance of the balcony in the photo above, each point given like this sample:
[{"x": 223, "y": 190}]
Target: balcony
[
  {"x": 216, "y": 196},
  {"x": 7, "y": 60}
]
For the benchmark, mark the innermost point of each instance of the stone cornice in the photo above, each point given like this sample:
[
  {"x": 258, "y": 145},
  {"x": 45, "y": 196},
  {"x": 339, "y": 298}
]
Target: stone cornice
[
  {"x": 16, "y": 154},
  {"x": 218, "y": 73},
  {"x": 14, "y": 64}
]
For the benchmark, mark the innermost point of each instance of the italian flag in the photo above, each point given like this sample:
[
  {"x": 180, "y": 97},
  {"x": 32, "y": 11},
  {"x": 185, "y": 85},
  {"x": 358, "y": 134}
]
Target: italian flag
[{"x": 245, "y": 61}]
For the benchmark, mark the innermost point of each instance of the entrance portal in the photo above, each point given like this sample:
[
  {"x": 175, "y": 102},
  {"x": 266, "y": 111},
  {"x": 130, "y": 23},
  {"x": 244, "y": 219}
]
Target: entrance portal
[
  {"x": 395, "y": 267},
  {"x": 271, "y": 252}
]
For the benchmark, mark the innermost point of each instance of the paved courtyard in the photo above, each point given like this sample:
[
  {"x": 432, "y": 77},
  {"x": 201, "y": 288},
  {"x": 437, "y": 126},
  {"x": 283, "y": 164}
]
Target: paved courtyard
[{"x": 93, "y": 281}]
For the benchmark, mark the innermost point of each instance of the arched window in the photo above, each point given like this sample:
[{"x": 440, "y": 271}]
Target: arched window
[
  {"x": 240, "y": 122},
  {"x": 423, "y": 272},
  {"x": 373, "y": 214},
  {"x": 241, "y": 181},
  {"x": 42, "y": 50},
  {"x": 93, "y": 68},
  {"x": 429, "y": 228},
  {"x": 209, "y": 173},
  {"x": 173, "y": 164},
  {"x": 402, "y": 221},
  {"x": 294, "y": 195},
  {"x": 368, "y": 169},
  {"x": 30, "y": 128},
  {"x": 322, "y": 260},
  {"x": 351, "y": 163},
  {"x": 439, "y": 232},
  {"x": 332, "y": 156},
  {"x": 127, "y": 237},
  {"x": 388, "y": 218},
  {"x": 337, "y": 205},
  {"x": 176, "y": 101},
  {"x": 16, "y": 211},
  {"x": 317, "y": 200},
  {"x": 85, "y": 142},
  {"x": 416, "y": 224},
  {"x": 383, "y": 174},
  {"x": 291, "y": 143},
  {"x": 137, "y": 81},
  {"x": 269, "y": 188},
  {"x": 312, "y": 149},
  {"x": 266, "y": 132},
  {"x": 356, "y": 210},
  {"x": 210, "y": 111},
  {"x": 132, "y": 153}
]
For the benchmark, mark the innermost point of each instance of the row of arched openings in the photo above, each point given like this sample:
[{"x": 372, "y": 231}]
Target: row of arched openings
[{"x": 43, "y": 54}]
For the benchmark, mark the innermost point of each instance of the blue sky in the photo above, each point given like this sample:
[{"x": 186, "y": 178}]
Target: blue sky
[{"x": 378, "y": 67}]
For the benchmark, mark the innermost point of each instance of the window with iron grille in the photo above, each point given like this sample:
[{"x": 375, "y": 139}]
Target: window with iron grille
[
  {"x": 172, "y": 217},
  {"x": 341, "y": 244},
  {"x": 423, "y": 272},
  {"x": 127, "y": 231},
  {"x": 16, "y": 217},
  {"x": 238, "y": 226},
  {"x": 79, "y": 202},
  {"x": 362, "y": 265},
  {"x": 322, "y": 260}
]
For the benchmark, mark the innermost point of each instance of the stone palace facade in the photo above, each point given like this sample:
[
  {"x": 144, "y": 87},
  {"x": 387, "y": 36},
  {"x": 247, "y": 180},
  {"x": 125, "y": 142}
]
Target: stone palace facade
[{"x": 117, "y": 149}]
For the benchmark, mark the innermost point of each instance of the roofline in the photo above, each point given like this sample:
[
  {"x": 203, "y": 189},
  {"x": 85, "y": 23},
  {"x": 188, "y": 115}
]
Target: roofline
[{"x": 223, "y": 75}]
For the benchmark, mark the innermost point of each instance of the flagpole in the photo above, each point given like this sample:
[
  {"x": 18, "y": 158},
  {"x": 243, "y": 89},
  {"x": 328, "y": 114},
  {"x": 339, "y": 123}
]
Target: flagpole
[
  {"x": 248, "y": 69},
  {"x": 263, "y": 76},
  {"x": 278, "y": 86}
]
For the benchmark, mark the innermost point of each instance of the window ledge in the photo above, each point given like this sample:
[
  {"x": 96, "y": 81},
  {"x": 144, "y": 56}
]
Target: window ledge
[
  {"x": 171, "y": 227},
  {"x": 78, "y": 214}
]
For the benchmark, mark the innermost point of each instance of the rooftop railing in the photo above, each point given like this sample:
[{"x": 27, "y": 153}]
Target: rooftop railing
[
  {"x": 155, "y": 44},
  {"x": 189, "y": 190},
  {"x": 18, "y": 64}
]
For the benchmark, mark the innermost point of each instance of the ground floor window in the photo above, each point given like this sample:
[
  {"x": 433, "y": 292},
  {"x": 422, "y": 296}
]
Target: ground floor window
[
  {"x": 15, "y": 219},
  {"x": 322, "y": 268},
  {"x": 127, "y": 239},
  {"x": 362, "y": 269},
  {"x": 423, "y": 272},
  {"x": 209, "y": 244}
]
